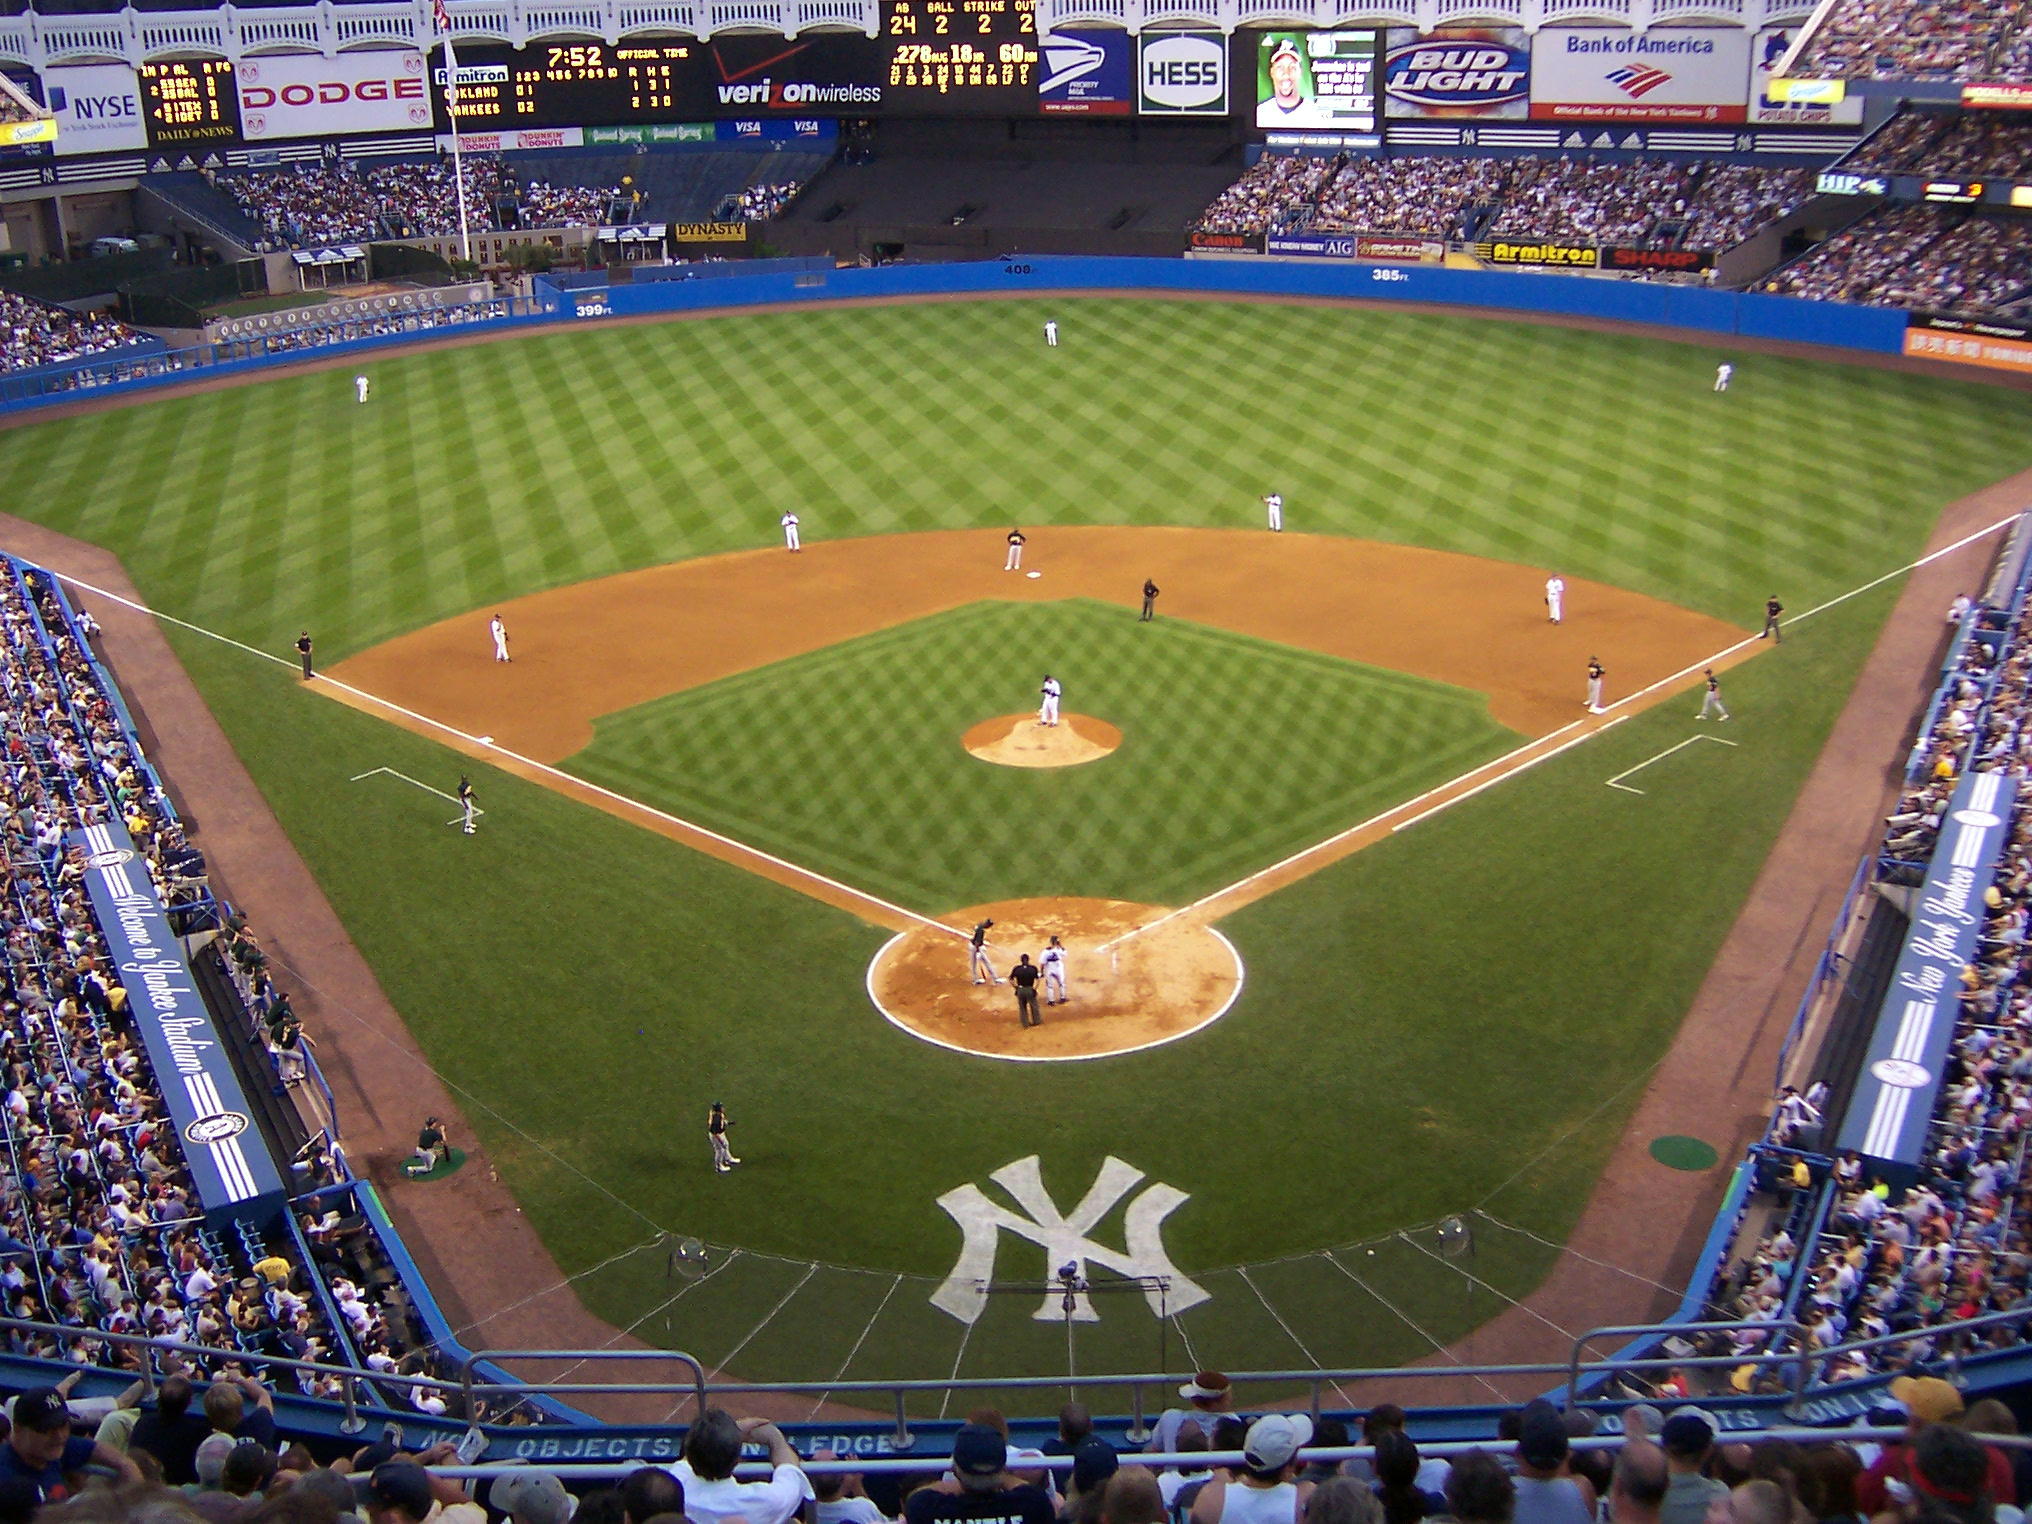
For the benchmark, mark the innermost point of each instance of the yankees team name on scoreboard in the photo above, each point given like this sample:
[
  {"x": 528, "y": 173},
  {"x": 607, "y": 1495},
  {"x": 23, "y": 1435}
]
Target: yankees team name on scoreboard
[
  {"x": 189, "y": 101},
  {"x": 571, "y": 84}
]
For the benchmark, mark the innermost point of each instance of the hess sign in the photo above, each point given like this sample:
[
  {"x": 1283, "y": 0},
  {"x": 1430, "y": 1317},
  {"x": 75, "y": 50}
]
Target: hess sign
[{"x": 1183, "y": 74}]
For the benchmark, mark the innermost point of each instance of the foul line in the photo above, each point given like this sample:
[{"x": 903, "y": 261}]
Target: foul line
[
  {"x": 1616, "y": 782},
  {"x": 1522, "y": 767},
  {"x": 488, "y": 745},
  {"x": 1507, "y": 761}
]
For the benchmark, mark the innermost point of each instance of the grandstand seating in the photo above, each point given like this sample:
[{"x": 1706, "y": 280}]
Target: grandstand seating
[
  {"x": 1926, "y": 257},
  {"x": 1634, "y": 203},
  {"x": 1917, "y": 39},
  {"x": 36, "y": 333}
]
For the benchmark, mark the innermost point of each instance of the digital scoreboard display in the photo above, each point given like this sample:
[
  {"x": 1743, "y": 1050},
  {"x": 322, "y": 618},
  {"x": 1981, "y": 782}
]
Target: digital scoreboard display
[
  {"x": 187, "y": 101},
  {"x": 960, "y": 55},
  {"x": 578, "y": 84}
]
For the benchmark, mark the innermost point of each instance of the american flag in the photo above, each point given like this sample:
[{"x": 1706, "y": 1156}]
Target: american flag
[{"x": 443, "y": 22}]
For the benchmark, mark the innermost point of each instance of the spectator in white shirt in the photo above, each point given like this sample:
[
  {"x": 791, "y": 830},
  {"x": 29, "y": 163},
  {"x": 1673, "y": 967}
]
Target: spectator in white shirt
[
  {"x": 840, "y": 1498},
  {"x": 712, "y": 1449}
]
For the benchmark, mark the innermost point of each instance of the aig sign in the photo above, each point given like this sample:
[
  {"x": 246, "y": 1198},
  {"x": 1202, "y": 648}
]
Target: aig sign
[{"x": 1182, "y": 74}]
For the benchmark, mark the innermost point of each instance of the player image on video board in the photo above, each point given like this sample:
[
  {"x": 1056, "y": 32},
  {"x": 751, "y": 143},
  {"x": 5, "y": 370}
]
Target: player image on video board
[{"x": 1316, "y": 79}]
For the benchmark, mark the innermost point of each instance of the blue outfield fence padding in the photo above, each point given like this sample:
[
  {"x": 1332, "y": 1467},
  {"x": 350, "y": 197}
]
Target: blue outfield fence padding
[{"x": 733, "y": 285}]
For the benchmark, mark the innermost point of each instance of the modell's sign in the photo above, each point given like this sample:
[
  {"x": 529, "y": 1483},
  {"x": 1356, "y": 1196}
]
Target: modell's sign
[
  {"x": 1403, "y": 251},
  {"x": 1657, "y": 259},
  {"x": 308, "y": 95},
  {"x": 1560, "y": 256}
]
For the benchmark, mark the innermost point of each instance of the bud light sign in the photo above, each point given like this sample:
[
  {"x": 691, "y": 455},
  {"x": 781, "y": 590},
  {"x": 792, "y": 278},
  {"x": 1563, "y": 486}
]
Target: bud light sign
[{"x": 1478, "y": 72}]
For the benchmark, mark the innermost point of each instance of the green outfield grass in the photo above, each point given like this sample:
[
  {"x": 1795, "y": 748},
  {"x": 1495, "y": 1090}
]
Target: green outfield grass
[
  {"x": 1236, "y": 752},
  {"x": 1458, "y": 1018}
]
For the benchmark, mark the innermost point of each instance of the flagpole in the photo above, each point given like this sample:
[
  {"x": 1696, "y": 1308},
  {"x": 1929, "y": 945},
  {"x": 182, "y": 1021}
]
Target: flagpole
[{"x": 444, "y": 26}]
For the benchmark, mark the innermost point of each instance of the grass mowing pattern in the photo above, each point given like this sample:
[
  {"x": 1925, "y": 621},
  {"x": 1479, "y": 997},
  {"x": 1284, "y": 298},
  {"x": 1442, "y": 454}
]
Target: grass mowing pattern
[
  {"x": 478, "y": 474},
  {"x": 590, "y": 989},
  {"x": 1235, "y": 752}
]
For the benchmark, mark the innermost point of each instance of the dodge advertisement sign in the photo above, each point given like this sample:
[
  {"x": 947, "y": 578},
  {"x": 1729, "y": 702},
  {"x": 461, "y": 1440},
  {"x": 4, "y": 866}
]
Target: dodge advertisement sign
[
  {"x": 1612, "y": 74},
  {"x": 306, "y": 95}
]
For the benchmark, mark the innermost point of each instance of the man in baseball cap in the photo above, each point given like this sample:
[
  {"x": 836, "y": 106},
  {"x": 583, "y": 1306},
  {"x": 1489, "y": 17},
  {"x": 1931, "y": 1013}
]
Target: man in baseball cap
[
  {"x": 42, "y": 1452},
  {"x": 980, "y": 1486},
  {"x": 1210, "y": 1398},
  {"x": 1269, "y": 1461},
  {"x": 1687, "y": 1438},
  {"x": 534, "y": 1497},
  {"x": 1926, "y": 1400}
]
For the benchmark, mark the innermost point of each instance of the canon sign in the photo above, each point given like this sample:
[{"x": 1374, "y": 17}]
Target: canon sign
[
  {"x": 311, "y": 96},
  {"x": 1182, "y": 74}
]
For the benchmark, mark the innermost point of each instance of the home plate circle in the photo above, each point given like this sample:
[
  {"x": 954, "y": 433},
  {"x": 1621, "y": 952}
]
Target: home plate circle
[{"x": 1124, "y": 993}]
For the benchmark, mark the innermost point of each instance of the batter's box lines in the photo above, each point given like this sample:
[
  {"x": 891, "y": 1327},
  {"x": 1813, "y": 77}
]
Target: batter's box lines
[
  {"x": 375, "y": 772},
  {"x": 1617, "y": 781}
]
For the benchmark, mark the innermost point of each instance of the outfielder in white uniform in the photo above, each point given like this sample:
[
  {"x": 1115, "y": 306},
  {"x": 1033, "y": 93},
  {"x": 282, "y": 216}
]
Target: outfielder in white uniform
[
  {"x": 1051, "y": 334},
  {"x": 1047, "y": 712},
  {"x": 1274, "y": 504},
  {"x": 360, "y": 384},
  {"x": 1054, "y": 973},
  {"x": 500, "y": 633},
  {"x": 1555, "y": 597},
  {"x": 790, "y": 537},
  {"x": 1722, "y": 375}
]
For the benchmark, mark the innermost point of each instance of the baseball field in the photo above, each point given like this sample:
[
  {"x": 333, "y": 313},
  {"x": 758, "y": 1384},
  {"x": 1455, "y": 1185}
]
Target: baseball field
[{"x": 720, "y": 780}]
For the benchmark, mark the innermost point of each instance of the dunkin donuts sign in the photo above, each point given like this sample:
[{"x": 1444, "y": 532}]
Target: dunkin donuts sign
[{"x": 307, "y": 95}]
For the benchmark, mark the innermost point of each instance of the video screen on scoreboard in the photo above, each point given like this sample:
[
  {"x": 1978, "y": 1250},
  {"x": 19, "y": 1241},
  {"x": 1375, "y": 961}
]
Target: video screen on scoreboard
[
  {"x": 960, "y": 55},
  {"x": 188, "y": 101},
  {"x": 1316, "y": 79},
  {"x": 578, "y": 84}
]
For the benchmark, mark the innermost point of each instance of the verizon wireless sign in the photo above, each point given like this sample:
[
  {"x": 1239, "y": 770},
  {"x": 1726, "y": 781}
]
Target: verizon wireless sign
[{"x": 309, "y": 95}]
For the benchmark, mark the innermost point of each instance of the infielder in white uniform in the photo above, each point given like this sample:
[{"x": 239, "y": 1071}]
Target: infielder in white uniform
[
  {"x": 1275, "y": 504},
  {"x": 360, "y": 384},
  {"x": 1722, "y": 375},
  {"x": 1555, "y": 597},
  {"x": 1054, "y": 973},
  {"x": 790, "y": 537},
  {"x": 1051, "y": 334},
  {"x": 500, "y": 633},
  {"x": 1047, "y": 712}
]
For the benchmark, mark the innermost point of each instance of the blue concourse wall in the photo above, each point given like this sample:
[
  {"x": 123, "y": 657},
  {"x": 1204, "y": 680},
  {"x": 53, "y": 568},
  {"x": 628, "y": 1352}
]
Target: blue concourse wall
[{"x": 1876, "y": 330}]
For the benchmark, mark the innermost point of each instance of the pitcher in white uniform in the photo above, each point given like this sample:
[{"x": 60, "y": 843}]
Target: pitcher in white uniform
[{"x": 1047, "y": 712}]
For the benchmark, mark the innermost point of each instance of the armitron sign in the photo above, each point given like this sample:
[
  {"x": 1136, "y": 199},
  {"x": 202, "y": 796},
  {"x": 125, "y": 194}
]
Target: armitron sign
[{"x": 1562, "y": 256}]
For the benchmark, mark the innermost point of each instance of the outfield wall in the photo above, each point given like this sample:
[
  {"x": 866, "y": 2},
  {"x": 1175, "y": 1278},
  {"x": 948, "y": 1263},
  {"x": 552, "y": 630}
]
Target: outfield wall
[{"x": 1693, "y": 309}]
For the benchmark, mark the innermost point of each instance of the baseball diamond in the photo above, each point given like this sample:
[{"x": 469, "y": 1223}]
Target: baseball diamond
[{"x": 1460, "y": 1017}]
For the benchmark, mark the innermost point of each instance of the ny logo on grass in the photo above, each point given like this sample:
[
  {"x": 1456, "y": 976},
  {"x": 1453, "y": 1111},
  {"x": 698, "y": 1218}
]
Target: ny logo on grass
[{"x": 1065, "y": 1240}]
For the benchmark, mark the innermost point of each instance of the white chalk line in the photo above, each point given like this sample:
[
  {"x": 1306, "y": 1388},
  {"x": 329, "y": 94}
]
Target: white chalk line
[
  {"x": 931, "y": 923},
  {"x": 1509, "y": 759},
  {"x": 376, "y": 772},
  {"x": 1616, "y": 782},
  {"x": 1521, "y": 767},
  {"x": 490, "y": 744}
]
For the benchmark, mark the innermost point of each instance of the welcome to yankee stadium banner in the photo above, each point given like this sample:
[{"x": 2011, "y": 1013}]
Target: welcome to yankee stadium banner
[
  {"x": 1902, "y": 1072},
  {"x": 232, "y": 1171}
]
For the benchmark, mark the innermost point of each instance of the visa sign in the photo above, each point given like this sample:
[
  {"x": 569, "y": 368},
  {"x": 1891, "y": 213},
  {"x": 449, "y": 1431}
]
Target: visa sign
[
  {"x": 1462, "y": 75},
  {"x": 1182, "y": 74},
  {"x": 97, "y": 109}
]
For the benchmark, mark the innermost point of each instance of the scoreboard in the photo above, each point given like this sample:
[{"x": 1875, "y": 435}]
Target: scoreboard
[
  {"x": 578, "y": 84},
  {"x": 187, "y": 101},
  {"x": 960, "y": 55}
]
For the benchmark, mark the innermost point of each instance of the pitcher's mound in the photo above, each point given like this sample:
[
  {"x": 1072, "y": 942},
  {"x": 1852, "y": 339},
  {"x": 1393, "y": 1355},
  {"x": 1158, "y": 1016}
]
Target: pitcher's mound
[
  {"x": 1017, "y": 740},
  {"x": 1158, "y": 986}
]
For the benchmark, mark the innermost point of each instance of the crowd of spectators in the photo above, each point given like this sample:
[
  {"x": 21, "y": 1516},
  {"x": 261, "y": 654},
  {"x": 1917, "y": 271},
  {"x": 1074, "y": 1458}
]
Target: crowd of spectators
[
  {"x": 351, "y": 202},
  {"x": 1960, "y": 144},
  {"x": 760, "y": 202},
  {"x": 1926, "y": 257},
  {"x": 34, "y": 333},
  {"x": 1640, "y": 203},
  {"x": 1913, "y": 39}
]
